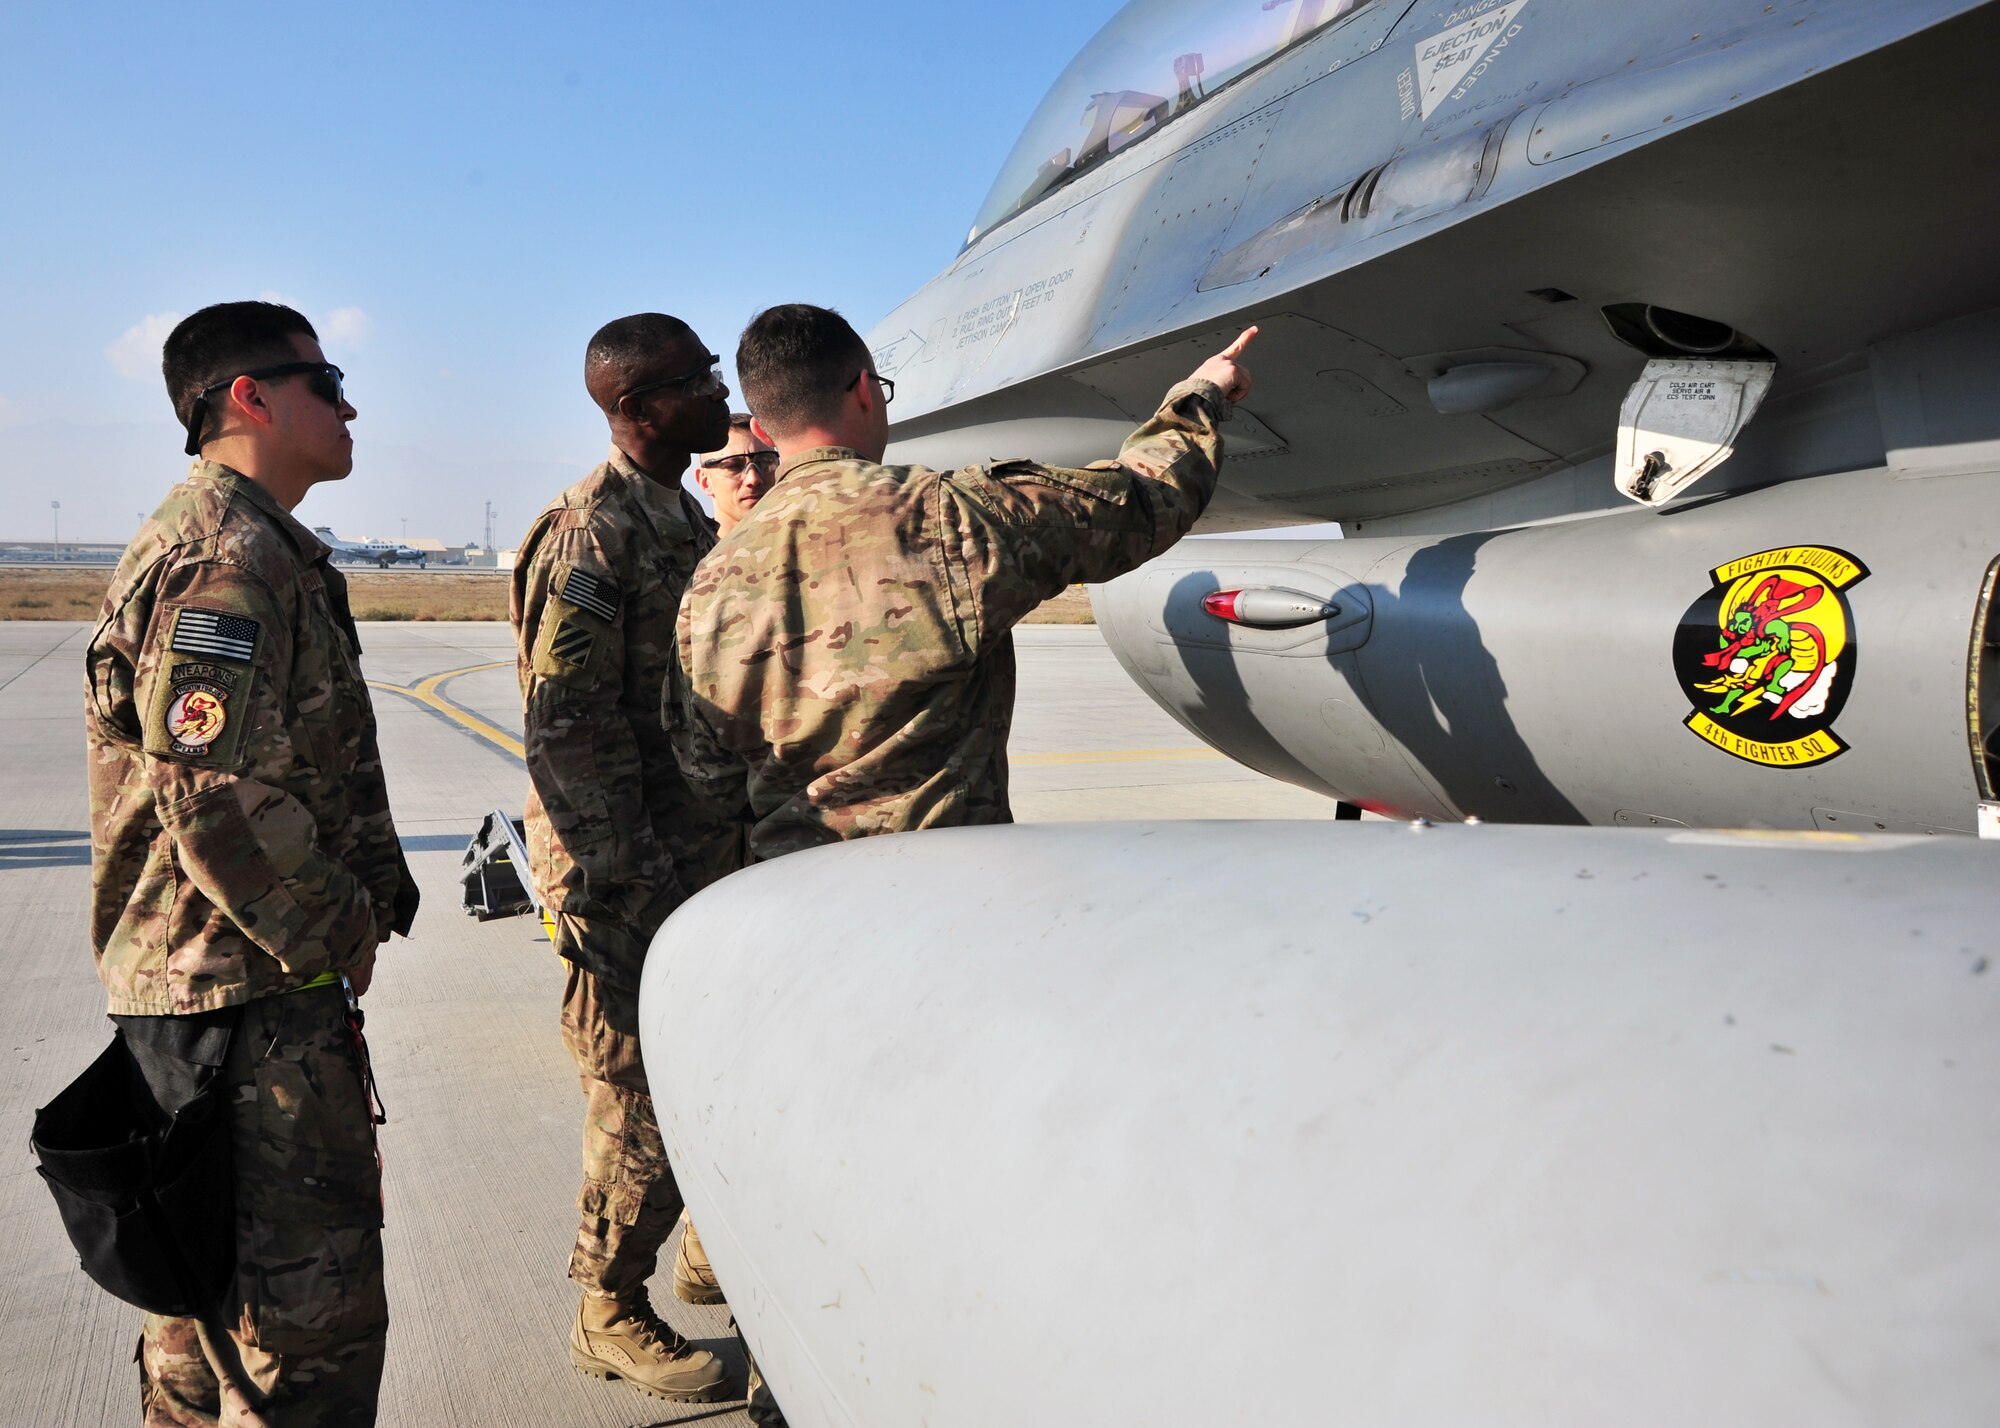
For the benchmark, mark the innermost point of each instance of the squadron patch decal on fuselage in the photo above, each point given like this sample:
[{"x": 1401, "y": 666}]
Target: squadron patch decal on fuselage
[{"x": 1767, "y": 656}]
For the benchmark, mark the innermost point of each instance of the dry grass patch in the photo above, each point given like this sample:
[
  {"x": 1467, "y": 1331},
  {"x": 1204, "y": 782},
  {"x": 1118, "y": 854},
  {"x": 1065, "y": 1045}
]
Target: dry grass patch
[
  {"x": 47, "y": 593},
  {"x": 428, "y": 595},
  {"x": 1072, "y": 607},
  {"x": 34, "y": 593},
  {"x": 41, "y": 593}
]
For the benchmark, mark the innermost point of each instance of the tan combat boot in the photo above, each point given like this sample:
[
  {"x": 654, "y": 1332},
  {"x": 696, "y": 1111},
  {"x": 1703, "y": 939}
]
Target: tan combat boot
[
  {"x": 629, "y": 1341},
  {"x": 694, "y": 1277}
]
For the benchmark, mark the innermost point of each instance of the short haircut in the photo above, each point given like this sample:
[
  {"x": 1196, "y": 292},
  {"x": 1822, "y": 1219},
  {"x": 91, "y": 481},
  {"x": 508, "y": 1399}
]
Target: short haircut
[
  {"x": 796, "y": 362},
  {"x": 625, "y": 353},
  {"x": 225, "y": 341},
  {"x": 738, "y": 421}
]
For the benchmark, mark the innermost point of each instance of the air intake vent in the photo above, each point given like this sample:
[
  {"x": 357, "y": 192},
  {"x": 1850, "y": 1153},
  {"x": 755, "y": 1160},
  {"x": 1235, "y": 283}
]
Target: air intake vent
[{"x": 1360, "y": 199}]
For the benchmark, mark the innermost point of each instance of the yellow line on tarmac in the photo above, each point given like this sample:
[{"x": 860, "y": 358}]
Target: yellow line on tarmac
[
  {"x": 1113, "y": 756},
  {"x": 426, "y": 693}
]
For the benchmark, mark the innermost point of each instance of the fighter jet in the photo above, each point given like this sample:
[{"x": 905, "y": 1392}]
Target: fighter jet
[
  {"x": 1646, "y": 354},
  {"x": 374, "y": 552}
]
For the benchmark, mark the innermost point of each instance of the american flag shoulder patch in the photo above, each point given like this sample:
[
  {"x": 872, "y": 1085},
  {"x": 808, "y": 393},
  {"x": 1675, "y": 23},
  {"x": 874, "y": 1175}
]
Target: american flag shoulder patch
[
  {"x": 593, "y": 593},
  {"x": 214, "y": 633}
]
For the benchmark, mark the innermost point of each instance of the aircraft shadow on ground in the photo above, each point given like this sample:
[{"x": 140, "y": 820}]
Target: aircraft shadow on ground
[{"x": 43, "y": 848}]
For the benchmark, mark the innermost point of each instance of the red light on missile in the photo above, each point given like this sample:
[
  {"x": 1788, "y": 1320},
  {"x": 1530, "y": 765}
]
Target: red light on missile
[
  {"x": 1269, "y": 609},
  {"x": 1222, "y": 604}
]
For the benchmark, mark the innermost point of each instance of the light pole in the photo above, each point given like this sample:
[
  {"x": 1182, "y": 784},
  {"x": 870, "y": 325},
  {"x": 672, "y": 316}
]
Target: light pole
[{"x": 56, "y": 506}]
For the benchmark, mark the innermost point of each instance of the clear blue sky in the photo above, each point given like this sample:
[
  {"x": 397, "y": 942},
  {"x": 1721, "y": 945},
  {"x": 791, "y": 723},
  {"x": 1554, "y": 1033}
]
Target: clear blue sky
[{"x": 458, "y": 195}]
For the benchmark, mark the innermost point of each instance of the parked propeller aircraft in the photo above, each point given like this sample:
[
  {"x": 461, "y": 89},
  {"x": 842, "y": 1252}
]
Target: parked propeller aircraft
[
  {"x": 1647, "y": 355},
  {"x": 376, "y": 552}
]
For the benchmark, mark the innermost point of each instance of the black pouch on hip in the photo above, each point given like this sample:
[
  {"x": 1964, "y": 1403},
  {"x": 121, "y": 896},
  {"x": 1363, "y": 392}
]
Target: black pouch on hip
[{"x": 137, "y": 1153}]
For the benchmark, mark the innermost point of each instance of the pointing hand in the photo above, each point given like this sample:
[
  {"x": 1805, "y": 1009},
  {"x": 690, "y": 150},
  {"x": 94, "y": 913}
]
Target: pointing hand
[{"x": 1226, "y": 369}]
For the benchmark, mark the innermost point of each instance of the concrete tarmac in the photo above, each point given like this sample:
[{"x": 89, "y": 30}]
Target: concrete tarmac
[{"x": 481, "y": 1148}]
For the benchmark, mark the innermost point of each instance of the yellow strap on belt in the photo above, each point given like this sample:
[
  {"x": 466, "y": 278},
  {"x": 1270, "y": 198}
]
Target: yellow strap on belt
[{"x": 324, "y": 979}]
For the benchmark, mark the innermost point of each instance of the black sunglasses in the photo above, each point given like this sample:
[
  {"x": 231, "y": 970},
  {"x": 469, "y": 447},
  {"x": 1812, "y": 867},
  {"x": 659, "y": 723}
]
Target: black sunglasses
[
  {"x": 324, "y": 380},
  {"x": 706, "y": 376},
  {"x": 888, "y": 387}
]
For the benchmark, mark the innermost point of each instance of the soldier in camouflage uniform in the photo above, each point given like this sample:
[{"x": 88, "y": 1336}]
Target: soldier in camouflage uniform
[
  {"x": 736, "y": 476},
  {"x": 245, "y": 866},
  {"x": 616, "y": 838},
  {"x": 739, "y": 475},
  {"x": 846, "y": 656},
  {"x": 847, "y": 649}
]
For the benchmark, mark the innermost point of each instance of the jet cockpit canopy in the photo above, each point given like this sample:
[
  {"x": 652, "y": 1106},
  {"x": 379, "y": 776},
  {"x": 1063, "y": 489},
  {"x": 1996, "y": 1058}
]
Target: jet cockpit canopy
[{"x": 1153, "y": 60}]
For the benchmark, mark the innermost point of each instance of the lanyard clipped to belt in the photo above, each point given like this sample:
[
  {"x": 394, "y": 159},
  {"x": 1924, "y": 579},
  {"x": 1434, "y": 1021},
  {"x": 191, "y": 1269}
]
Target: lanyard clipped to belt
[{"x": 356, "y": 1019}]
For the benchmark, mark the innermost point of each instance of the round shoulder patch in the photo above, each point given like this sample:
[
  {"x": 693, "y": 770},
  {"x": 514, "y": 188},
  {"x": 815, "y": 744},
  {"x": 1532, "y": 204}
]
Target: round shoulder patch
[{"x": 197, "y": 715}]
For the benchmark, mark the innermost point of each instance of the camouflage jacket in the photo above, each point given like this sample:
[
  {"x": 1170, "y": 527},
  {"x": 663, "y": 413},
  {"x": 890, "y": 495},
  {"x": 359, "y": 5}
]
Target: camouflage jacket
[
  {"x": 847, "y": 653},
  {"x": 616, "y": 836},
  {"x": 240, "y": 831}
]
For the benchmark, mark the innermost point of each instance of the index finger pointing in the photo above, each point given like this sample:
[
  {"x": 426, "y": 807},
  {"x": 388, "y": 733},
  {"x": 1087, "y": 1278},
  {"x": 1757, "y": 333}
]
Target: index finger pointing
[{"x": 1235, "y": 349}]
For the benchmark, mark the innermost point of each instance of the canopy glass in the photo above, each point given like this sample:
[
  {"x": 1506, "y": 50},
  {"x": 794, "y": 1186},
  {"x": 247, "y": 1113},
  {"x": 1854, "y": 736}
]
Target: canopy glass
[{"x": 1155, "y": 59}]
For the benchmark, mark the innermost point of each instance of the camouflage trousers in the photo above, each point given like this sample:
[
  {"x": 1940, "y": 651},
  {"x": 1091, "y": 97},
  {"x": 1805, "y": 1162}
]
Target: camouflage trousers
[
  {"x": 301, "y": 1337},
  {"x": 629, "y": 1203},
  {"x": 762, "y": 1407}
]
